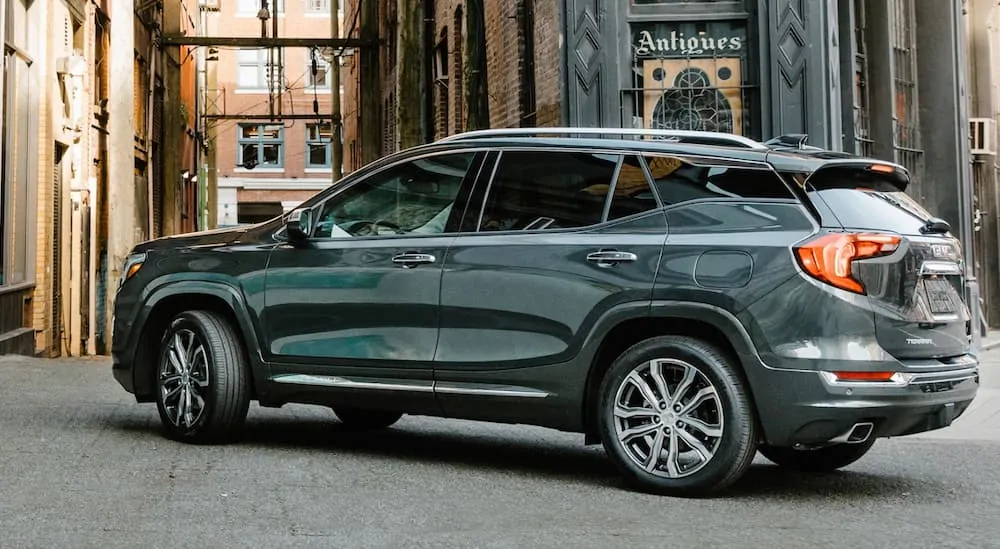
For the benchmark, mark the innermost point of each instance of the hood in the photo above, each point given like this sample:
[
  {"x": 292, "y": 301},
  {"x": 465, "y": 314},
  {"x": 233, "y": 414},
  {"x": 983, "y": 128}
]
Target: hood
[{"x": 214, "y": 237}]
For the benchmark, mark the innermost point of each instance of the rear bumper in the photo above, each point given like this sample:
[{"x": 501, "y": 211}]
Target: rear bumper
[{"x": 809, "y": 407}]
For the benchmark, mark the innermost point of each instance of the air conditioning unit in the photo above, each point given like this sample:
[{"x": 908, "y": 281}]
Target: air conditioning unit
[{"x": 983, "y": 136}]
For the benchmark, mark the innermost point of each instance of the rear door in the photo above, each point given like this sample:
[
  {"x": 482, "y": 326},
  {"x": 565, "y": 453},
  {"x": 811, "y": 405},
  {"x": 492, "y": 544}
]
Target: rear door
[
  {"x": 917, "y": 293},
  {"x": 563, "y": 237}
]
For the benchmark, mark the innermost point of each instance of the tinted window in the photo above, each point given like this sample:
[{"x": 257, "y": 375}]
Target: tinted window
[
  {"x": 414, "y": 197},
  {"x": 534, "y": 190},
  {"x": 876, "y": 210},
  {"x": 632, "y": 193},
  {"x": 677, "y": 181}
]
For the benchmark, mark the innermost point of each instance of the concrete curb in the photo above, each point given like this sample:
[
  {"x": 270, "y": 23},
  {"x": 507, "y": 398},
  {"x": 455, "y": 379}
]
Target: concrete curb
[{"x": 987, "y": 345}]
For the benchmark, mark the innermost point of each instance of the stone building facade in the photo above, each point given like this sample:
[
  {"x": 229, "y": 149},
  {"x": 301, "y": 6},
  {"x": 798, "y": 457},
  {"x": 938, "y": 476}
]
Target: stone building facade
[{"x": 57, "y": 272}]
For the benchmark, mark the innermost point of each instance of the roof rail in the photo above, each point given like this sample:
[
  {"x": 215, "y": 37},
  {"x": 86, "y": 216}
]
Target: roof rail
[{"x": 676, "y": 136}]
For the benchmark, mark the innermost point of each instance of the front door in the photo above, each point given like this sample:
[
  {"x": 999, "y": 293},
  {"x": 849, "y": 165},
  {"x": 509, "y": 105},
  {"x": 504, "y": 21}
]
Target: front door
[{"x": 355, "y": 308}]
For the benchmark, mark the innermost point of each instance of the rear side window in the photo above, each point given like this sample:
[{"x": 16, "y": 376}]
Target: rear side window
[
  {"x": 677, "y": 181},
  {"x": 535, "y": 190},
  {"x": 632, "y": 194}
]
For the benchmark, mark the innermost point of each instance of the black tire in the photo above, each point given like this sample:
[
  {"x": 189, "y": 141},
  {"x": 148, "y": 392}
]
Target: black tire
[
  {"x": 733, "y": 446},
  {"x": 356, "y": 418},
  {"x": 225, "y": 394},
  {"x": 817, "y": 460}
]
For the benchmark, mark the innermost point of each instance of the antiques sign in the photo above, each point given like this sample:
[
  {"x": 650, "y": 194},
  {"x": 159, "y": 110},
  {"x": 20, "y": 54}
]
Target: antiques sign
[{"x": 679, "y": 43}]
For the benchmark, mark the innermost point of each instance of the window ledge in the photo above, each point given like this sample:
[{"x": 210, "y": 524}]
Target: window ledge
[{"x": 259, "y": 170}]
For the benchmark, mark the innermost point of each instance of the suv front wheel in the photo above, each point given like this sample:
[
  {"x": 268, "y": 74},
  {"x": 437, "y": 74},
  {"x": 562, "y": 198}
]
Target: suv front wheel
[
  {"x": 202, "y": 386},
  {"x": 675, "y": 417}
]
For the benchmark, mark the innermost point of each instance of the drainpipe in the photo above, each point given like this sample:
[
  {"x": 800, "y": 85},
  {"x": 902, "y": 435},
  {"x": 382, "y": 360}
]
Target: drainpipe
[{"x": 151, "y": 91}]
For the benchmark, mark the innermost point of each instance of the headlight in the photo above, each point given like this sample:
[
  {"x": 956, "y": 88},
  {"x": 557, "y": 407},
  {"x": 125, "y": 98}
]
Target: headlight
[{"x": 133, "y": 262}]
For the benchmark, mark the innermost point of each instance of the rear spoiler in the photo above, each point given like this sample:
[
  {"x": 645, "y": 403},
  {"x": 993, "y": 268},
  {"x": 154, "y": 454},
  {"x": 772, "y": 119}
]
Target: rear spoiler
[
  {"x": 840, "y": 170},
  {"x": 859, "y": 173}
]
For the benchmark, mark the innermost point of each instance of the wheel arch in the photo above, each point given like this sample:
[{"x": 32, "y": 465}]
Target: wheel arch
[
  {"x": 169, "y": 300},
  {"x": 702, "y": 321}
]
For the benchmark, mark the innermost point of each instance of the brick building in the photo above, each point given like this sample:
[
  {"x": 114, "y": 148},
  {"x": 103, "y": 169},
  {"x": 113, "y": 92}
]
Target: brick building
[
  {"x": 56, "y": 146},
  {"x": 265, "y": 167},
  {"x": 478, "y": 64}
]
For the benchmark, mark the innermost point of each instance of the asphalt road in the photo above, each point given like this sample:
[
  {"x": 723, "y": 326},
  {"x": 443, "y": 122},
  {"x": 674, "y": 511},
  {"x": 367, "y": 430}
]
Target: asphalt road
[{"x": 82, "y": 465}]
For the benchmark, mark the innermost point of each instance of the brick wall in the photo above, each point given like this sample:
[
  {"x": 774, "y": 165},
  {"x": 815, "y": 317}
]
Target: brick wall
[
  {"x": 349, "y": 78},
  {"x": 548, "y": 76},
  {"x": 505, "y": 48}
]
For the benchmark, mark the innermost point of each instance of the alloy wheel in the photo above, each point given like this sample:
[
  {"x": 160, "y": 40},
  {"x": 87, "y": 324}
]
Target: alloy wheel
[
  {"x": 668, "y": 418},
  {"x": 184, "y": 379}
]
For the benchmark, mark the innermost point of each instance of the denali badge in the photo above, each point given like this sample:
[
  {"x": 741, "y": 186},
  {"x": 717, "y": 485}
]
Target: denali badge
[
  {"x": 919, "y": 341},
  {"x": 940, "y": 250}
]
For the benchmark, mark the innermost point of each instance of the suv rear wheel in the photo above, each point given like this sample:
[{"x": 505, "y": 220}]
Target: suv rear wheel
[
  {"x": 817, "y": 460},
  {"x": 203, "y": 390},
  {"x": 675, "y": 417}
]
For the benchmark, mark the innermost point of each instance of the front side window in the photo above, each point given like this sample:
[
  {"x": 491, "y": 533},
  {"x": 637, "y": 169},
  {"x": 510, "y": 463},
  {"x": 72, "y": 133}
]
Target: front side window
[
  {"x": 677, "y": 181},
  {"x": 260, "y": 146},
  {"x": 415, "y": 197},
  {"x": 536, "y": 190}
]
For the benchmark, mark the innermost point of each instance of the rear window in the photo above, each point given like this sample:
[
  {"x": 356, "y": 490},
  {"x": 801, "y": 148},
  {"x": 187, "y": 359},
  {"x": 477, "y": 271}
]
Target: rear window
[
  {"x": 875, "y": 210},
  {"x": 862, "y": 199}
]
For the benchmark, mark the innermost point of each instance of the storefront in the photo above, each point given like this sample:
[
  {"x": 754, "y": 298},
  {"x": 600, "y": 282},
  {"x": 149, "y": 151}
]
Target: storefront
[
  {"x": 739, "y": 66},
  {"x": 692, "y": 76}
]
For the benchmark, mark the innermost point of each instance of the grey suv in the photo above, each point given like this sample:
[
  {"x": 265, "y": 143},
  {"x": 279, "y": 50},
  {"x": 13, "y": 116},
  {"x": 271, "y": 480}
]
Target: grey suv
[{"x": 687, "y": 299}]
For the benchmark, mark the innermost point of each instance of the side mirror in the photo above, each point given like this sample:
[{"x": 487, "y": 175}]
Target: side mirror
[{"x": 300, "y": 224}]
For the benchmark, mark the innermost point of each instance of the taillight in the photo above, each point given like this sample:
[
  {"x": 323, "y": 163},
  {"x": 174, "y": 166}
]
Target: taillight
[{"x": 829, "y": 257}]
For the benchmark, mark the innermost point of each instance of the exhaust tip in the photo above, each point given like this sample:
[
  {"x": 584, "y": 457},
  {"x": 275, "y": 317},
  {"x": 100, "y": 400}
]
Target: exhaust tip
[
  {"x": 858, "y": 433},
  {"x": 861, "y": 432}
]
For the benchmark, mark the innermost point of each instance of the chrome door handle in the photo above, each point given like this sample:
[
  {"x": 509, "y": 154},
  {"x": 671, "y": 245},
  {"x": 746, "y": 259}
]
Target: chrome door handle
[
  {"x": 409, "y": 260},
  {"x": 609, "y": 258}
]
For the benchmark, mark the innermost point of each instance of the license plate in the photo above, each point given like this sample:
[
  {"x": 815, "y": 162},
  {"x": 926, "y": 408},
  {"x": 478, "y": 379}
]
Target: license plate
[{"x": 939, "y": 295}]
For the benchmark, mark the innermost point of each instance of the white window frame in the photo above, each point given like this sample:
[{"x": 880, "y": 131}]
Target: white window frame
[
  {"x": 322, "y": 64},
  {"x": 257, "y": 60},
  {"x": 249, "y": 8}
]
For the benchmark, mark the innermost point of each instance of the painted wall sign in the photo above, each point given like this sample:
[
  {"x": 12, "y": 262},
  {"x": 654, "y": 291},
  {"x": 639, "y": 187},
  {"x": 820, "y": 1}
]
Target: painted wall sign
[{"x": 677, "y": 42}]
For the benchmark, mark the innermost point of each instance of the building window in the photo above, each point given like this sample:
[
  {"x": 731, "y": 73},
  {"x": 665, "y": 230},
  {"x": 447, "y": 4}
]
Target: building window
[
  {"x": 261, "y": 146},
  {"x": 252, "y": 7},
  {"x": 254, "y": 68},
  {"x": 318, "y": 75},
  {"x": 862, "y": 91},
  {"x": 909, "y": 151},
  {"x": 318, "y": 146},
  {"x": 693, "y": 76},
  {"x": 18, "y": 142},
  {"x": 318, "y": 6}
]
